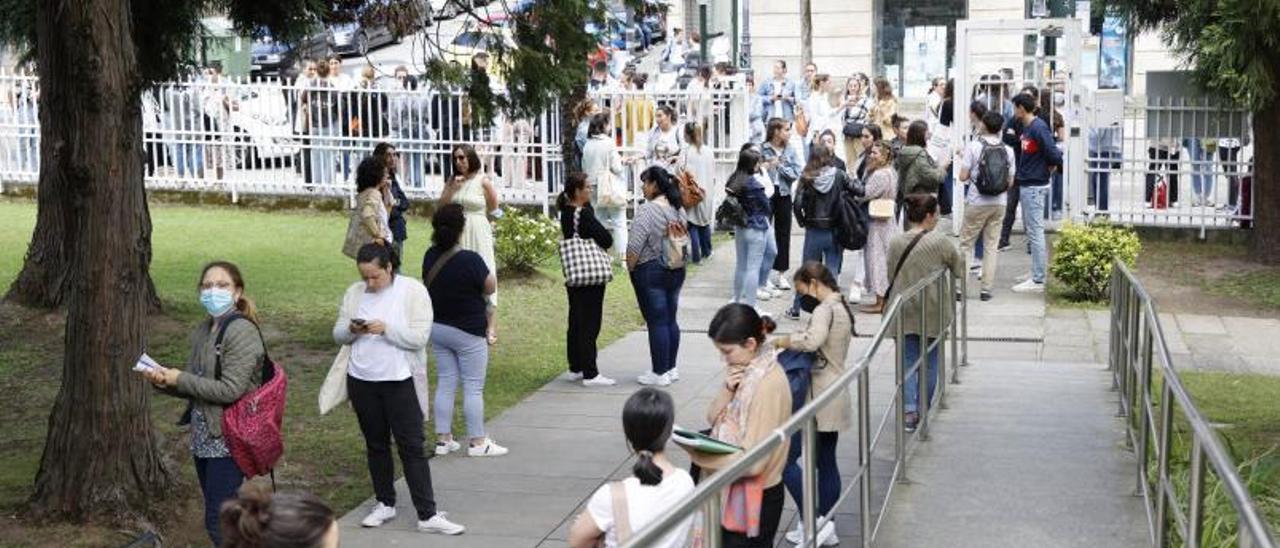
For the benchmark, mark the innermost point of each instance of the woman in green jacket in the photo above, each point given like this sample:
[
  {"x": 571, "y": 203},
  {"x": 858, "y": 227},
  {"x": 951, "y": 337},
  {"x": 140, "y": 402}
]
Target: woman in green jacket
[
  {"x": 221, "y": 291},
  {"x": 917, "y": 171}
]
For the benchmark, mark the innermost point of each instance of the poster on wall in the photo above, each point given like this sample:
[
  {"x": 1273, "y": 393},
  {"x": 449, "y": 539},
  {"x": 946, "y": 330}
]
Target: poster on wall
[
  {"x": 1113, "y": 54},
  {"x": 924, "y": 57}
]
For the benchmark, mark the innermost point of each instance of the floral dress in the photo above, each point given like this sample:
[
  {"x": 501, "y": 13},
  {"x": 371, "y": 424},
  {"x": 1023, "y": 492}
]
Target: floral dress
[{"x": 881, "y": 184}]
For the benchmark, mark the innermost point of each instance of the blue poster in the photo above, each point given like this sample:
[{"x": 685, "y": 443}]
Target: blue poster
[{"x": 1113, "y": 54}]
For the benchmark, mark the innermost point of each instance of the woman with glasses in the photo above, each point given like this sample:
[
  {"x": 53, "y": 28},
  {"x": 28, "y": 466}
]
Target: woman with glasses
[{"x": 473, "y": 190}]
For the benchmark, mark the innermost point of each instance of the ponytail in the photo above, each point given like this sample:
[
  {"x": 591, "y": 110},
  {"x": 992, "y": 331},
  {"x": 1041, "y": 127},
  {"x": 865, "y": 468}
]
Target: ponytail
[
  {"x": 247, "y": 308},
  {"x": 647, "y": 419},
  {"x": 258, "y": 519}
]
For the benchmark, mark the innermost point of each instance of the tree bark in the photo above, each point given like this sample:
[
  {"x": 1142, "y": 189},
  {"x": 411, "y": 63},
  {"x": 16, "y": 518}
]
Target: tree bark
[
  {"x": 101, "y": 456},
  {"x": 806, "y": 33},
  {"x": 570, "y": 155},
  {"x": 1266, "y": 180}
]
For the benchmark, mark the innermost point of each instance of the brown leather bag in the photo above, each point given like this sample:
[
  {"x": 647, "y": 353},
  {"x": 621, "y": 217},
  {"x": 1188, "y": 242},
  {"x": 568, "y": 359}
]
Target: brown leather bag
[{"x": 690, "y": 193}]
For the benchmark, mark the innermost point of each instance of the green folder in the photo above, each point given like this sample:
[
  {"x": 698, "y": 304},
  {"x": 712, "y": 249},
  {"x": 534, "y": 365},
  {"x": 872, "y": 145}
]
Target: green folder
[{"x": 702, "y": 442}]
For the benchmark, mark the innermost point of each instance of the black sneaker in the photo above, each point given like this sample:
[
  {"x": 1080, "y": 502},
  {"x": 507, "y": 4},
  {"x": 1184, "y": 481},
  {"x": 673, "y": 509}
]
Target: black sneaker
[
  {"x": 910, "y": 420},
  {"x": 1004, "y": 246},
  {"x": 985, "y": 296},
  {"x": 791, "y": 314}
]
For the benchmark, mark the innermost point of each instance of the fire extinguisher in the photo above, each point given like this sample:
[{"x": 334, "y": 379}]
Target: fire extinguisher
[{"x": 1160, "y": 198}]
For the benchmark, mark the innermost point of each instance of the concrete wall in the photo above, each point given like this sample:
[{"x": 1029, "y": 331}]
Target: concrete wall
[{"x": 1150, "y": 54}]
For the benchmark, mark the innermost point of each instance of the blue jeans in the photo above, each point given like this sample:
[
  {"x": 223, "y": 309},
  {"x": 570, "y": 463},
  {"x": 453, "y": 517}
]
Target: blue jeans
[
  {"x": 753, "y": 263},
  {"x": 911, "y": 385},
  {"x": 700, "y": 241},
  {"x": 459, "y": 354},
  {"x": 1100, "y": 178},
  {"x": 1032, "y": 199},
  {"x": 1201, "y": 178},
  {"x": 820, "y": 245},
  {"x": 828, "y": 471},
  {"x": 1055, "y": 184},
  {"x": 189, "y": 158},
  {"x": 220, "y": 479},
  {"x": 658, "y": 293},
  {"x": 322, "y": 155},
  {"x": 944, "y": 193}
]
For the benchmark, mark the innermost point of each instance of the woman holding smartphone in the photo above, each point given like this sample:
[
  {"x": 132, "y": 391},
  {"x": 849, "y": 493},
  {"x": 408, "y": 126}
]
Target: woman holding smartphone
[
  {"x": 221, "y": 293},
  {"x": 386, "y": 319}
]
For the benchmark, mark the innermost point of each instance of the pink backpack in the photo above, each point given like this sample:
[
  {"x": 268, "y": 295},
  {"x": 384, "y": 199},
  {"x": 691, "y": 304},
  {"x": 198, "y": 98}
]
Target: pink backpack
[{"x": 253, "y": 425}]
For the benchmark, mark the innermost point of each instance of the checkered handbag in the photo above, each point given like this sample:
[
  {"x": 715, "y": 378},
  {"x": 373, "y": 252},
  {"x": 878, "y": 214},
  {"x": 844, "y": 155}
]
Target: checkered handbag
[{"x": 584, "y": 262}]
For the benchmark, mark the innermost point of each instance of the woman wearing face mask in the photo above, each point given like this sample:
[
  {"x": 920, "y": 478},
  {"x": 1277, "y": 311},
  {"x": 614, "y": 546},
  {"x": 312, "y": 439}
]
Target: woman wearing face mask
[
  {"x": 824, "y": 343},
  {"x": 816, "y": 208},
  {"x": 221, "y": 290},
  {"x": 473, "y": 189},
  {"x": 386, "y": 320},
  {"x": 655, "y": 485},
  {"x": 754, "y": 400}
]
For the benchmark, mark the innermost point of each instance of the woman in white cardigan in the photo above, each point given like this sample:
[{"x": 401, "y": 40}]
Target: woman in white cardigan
[
  {"x": 603, "y": 166},
  {"x": 386, "y": 321}
]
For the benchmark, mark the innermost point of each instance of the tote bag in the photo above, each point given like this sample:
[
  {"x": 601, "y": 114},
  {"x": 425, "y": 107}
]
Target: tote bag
[{"x": 584, "y": 263}]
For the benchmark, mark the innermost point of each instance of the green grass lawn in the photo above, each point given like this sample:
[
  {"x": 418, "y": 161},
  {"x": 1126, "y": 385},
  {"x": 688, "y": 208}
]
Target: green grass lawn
[
  {"x": 1243, "y": 410},
  {"x": 296, "y": 273}
]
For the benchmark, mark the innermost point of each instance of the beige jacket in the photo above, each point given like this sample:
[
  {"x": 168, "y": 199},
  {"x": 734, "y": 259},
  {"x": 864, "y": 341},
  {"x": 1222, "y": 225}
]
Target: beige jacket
[
  {"x": 367, "y": 222},
  {"x": 829, "y": 333},
  {"x": 770, "y": 407}
]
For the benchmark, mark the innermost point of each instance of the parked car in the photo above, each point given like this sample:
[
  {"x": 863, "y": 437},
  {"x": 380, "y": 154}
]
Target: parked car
[
  {"x": 355, "y": 39},
  {"x": 261, "y": 126},
  {"x": 271, "y": 57},
  {"x": 469, "y": 42}
]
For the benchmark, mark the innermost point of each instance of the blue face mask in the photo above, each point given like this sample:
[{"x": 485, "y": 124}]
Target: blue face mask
[{"x": 216, "y": 301}]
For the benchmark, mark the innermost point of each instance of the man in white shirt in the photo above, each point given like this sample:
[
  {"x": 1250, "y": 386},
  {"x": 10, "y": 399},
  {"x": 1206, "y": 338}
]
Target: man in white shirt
[{"x": 987, "y": 195}]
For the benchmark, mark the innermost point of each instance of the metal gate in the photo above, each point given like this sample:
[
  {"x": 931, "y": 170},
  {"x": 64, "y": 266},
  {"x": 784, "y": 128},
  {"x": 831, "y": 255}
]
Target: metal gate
[{"x": 997, "y": 59}]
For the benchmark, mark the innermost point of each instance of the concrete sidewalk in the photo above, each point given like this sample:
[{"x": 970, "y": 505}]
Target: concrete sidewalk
[{"x": 566, "y": 441}]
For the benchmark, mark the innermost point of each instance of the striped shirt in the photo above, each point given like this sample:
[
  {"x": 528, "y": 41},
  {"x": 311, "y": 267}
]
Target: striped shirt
[{"x": 650, "y": 227}]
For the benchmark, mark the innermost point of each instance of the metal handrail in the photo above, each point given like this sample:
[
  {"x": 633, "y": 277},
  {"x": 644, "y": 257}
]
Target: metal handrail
[
  {"x": 1137, "y": 339},
  {"x": 707, "y": 495}
]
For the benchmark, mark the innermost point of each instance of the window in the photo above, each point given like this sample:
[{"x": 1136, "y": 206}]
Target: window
[{"x": 916, "y": 42}]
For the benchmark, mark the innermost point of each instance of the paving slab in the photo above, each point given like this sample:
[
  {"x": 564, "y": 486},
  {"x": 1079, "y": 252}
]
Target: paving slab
[{"x": 1201, "y": 324}]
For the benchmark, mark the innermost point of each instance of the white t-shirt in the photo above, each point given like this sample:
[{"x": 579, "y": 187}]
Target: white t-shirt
[
  {"x": 644, "y": 504},
  {"x": 972, "y": 155},
  {"x": 373, "y": 358}
]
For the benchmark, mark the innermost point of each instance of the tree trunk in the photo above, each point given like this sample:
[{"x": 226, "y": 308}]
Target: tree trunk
[
  {"x": 806, "y": 33},
  {"x": 1266, "y": 181},
  {"x": 100, "y": 456},
  {"x": 569, "y": 153}
]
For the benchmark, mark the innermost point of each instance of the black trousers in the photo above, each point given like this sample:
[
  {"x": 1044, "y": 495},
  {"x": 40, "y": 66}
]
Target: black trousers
[
  {"x": 586, "y": 311},
  {"x": 1010, "y": 213},
  {"x": 770, "y": 516},
  {"x": 782, "y": 231},
  {"x": 384, "y": 410}
]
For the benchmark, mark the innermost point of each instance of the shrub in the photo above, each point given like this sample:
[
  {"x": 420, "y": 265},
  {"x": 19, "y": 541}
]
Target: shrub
[
  {"x": 524, "y": 241},
  {"x": 1083, "y": 255}
]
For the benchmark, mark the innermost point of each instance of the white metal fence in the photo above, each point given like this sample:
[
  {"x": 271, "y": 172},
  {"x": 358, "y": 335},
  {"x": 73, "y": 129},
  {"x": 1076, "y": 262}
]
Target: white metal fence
[
  {"x": 267, "y": 136},
  {"x": 1168, "y": 161}
]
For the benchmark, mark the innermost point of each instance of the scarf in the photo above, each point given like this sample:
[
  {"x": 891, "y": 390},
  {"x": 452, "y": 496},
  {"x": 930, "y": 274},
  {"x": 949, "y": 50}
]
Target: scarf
[{"x": 744, "y": 499}]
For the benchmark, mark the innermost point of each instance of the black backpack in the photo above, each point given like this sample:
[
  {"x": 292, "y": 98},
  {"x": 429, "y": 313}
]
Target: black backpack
[
  {"x": 850, "y": 220},
  {"x": 992, "y": 177}
]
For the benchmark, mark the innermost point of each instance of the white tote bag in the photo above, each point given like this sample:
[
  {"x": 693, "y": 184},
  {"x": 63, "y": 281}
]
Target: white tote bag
[{"x": 334, "y": 390}]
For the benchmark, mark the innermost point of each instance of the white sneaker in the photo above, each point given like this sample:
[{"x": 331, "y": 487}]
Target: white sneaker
[
  {"x": 782, "y": 283},
  {"x": 976, "y": 272},
  {"x": 763, "y": 294},
  {"x": 489, "y": 449},
  {"x": 1029, "y": 286},
  {"x": 380, "y": 514},
  {"x": 673, "y": 374},
  {"x": 574, "y": 377},
  {"x": 1023, "y": 277},
  {"x": 796, "y": 536},
  {"x": 652, "y": 379},
  {"x": 855, "y": 294},
  {"x": 440, "y": 525},
  {"x": 445, "y": 447},
  {"x": 599, "y": 380}
]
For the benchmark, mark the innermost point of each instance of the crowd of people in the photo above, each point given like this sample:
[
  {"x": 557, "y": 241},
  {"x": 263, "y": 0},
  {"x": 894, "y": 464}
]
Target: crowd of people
[{"x": 388, "y": 319}]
